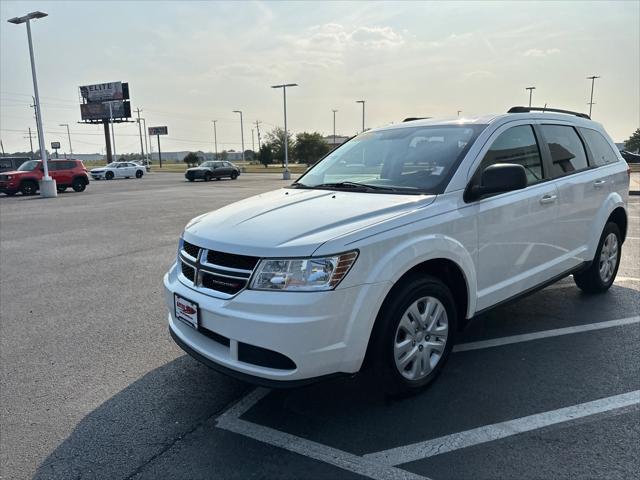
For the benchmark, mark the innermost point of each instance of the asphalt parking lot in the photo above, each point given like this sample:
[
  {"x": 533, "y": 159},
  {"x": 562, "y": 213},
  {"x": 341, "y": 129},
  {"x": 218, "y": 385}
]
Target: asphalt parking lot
[{"x": 94, "y": 388}]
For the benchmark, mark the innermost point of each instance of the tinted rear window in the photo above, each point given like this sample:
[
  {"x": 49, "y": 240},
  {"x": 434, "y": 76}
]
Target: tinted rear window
[
  {"x": 601, "y": 150},
  {"x": 567, "y": 152}
]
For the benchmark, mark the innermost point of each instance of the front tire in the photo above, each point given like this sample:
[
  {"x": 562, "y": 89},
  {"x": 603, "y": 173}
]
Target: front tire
[
  {"x": 61, "y": 189},
  {"x": 602, "y": 272},
  {"x": 139, "y": 174},
  {"x": 207, "y": 177},
  {"x": 234, "y": 175},
  {"x": 414, "y": 334},
  {"x": 29, "y": 188},
  {"x": 108, "y": 175}
]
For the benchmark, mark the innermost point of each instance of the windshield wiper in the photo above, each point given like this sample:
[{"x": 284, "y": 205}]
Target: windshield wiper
[{"x": 345, "y": 185}]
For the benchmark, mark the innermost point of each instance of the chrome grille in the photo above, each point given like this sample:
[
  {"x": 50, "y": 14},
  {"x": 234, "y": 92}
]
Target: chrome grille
[{"x": 211, "y": 271}]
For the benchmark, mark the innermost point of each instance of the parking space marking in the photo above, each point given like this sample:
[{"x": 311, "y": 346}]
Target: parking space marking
[
  {"x": 527, "y": 337},
  {"x": 317, "y": 451},
  {"x": 489, "y": 433}
]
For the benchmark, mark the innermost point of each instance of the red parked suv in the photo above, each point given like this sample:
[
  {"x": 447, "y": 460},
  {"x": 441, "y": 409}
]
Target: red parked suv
[{"x": 66, "y": 173}]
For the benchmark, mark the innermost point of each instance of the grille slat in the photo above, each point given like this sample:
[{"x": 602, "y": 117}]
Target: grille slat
[
  {"x": 218, "y": 279},
  {"x": 191, "y": 249}
]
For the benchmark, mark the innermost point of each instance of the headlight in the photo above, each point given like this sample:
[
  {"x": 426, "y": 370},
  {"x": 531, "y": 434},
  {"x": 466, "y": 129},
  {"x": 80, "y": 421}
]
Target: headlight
[
  {"x": 303, "y": 274},
  {"x": 9, "y": 177}
]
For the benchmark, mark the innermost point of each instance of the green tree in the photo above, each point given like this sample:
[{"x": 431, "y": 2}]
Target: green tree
[
  {"x": 633, "y": 143},
  {"x": 190, "y": 159},
  {"x": 310, "y": 147},
  {"x": 224, "y": 155},
  {"x": 266, "y": 155},
  {"x": 275, "y": 138}
]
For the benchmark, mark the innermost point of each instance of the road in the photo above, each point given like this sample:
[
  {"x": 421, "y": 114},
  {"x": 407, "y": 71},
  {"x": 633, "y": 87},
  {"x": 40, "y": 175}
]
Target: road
[{"x": 94, "y": 388}]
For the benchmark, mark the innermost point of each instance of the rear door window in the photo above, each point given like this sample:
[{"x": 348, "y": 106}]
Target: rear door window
[
  {"x": 567, "y": 151},
  {"x": 601, "y": 150},
  {"x": 517, "y": 145}
]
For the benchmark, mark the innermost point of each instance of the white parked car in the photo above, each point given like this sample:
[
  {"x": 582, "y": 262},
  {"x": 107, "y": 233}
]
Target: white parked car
[
  {"x": 380, "y": 253},
  {"x": 118, "y": 170}
]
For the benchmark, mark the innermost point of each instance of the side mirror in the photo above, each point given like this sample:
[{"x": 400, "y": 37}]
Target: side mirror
[{"x": 499, "y": 178}]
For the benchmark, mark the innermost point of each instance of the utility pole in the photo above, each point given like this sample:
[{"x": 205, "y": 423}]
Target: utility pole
[
  {"x": 2, "y": 147},
  {"x": 30, "y": 137},
  {"x": 362, "y": 102},
  {"x": 253, "y": 145},
  {"x": 593, "y": 80},
  {"x": 258, "y": 131},
  {"x": 138, "y": 110},
  {"x": 334, "y": 128},
  {"x": 531, "y": 89},
  {"x": 215, "y": 139}
]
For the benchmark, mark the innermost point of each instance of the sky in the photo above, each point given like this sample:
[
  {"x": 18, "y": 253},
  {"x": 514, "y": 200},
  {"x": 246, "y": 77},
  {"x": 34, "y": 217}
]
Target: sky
[{"x": 189, "y": 62}]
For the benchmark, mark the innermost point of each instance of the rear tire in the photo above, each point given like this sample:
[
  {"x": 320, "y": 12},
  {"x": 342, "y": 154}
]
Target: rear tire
[
  {"x": 29, "y": 187},
  {"x": 234, "y": 175},
  {"x": 602, "y": 272},
  {"x": 79, "y": 185},
  {"x": 139, "y": 174},
  {"x": 413, "y": 335},
  {"x": 108, "y": 175}
]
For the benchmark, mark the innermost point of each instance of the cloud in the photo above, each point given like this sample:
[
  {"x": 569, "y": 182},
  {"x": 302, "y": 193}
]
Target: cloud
[
  {"x": 536, "y": 52},
  {"x": 337, "y": 37}
]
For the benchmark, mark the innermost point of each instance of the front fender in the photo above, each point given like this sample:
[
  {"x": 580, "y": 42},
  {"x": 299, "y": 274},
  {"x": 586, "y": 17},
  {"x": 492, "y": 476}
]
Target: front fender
[{"x": 393, "y": 263}]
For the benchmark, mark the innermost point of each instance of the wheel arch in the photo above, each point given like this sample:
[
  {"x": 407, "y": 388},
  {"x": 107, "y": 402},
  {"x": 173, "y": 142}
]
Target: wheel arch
[
  {"x": 619, "y": 217},
  {"x": 612, "y": 209}
]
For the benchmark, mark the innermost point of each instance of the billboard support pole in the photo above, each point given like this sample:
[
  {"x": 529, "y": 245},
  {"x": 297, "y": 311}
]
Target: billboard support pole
[
  {"x": 107, "y": 140},
  {"x": 113, "y": 133},
  {"x": 159, "y": 152}
]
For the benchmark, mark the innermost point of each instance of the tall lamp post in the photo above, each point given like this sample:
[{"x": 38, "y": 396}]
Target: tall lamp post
[
  {"x": 334, "y": 128},
  {"x": 531, "y": 89},
  {"x": 68, "y": 136},
  {"x": 215, "y": 139},
  {"x": 593, "y": 80},
  {"x": 47, "y": 184},
  {"x": 286, "y": 175},
  {"x": 362, "y": 102},
  {"x": 241, "y": 132}
]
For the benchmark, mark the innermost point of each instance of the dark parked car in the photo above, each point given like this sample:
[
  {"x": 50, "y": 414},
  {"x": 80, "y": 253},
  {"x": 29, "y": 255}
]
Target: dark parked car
[
  {"x": 209, "y": 170},
  {"x": 9, "y": 164},
  {"x": 630, "y": 157}
]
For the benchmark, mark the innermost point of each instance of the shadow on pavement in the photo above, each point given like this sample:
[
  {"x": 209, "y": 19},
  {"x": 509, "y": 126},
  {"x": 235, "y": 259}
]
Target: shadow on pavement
[{"x": 141, "y": 421}]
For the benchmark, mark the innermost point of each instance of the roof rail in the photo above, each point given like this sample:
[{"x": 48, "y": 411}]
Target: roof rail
[
  {"x": 546, "y": 109},
  {"x": 411, "y": 119}
]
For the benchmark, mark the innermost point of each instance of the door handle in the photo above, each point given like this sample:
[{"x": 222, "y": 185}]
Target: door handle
[
  {"x": 599, "y": 183},
  {"x": 548, "y": 198}
]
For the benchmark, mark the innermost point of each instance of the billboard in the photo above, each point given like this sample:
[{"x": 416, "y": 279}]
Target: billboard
[
  {"x": 158, "y": 130},
  {"x": 104, "y": 92},
  {"x": 55, "y": 145},
  {"x": 100, "y": 111}
]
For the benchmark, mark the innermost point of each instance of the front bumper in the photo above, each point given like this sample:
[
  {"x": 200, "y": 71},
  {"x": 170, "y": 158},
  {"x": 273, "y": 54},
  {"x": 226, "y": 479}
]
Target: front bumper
[
  {"x": 322, "y": 333},
  {"x": 97, "y": 176}
]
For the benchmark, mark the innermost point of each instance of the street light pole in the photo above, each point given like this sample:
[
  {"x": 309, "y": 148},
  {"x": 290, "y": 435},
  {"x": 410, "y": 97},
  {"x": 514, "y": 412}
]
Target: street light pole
[
  {"x": 286, "y": 175},
  {"x": 362, "y": 102},
  {"x": 68, "y": 136},
  {"x": 241, "y": 132},
  {"x": 531, "y": 89},
  {"x": 593, "y": 80},
  {"x": 215, "y": 139},
  {"x": 113, "y": 135},
  {"x": 334, "y": 128},
  {"x": 459, "y": 112},
  {"x": 146, "y": 139},
  {"x": 47, "y": 184}
]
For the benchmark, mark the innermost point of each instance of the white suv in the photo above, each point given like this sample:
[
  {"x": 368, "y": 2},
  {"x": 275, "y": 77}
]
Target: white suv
[{"x": 385, "y": 249}]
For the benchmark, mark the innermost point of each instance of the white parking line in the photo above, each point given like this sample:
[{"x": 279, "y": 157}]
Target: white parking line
[
  {"x": 317, "y": 451},
  {"x": 527, "y": 337},
  {"x": 489, "y": 433}
]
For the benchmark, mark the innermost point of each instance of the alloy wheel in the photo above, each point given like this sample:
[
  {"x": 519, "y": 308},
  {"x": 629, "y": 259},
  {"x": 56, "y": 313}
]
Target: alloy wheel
[{"x": 608, "y": 257}]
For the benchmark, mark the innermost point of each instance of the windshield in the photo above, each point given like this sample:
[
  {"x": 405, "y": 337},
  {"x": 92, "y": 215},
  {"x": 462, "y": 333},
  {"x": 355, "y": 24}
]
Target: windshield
[
  {"x": 404, "y": 160},
  {"x": 28, "y": 166},
  {"x": 207, "y": 164}
]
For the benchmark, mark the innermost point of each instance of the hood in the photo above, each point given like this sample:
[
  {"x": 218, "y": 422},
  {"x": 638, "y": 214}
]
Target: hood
[
  {"x": 198, "y": 168},
  {"x": 292, "y": 222},
  {"x": 98, "y": 170},
  {"x": 13, "y": 172}
]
